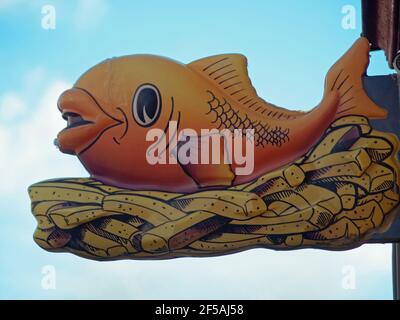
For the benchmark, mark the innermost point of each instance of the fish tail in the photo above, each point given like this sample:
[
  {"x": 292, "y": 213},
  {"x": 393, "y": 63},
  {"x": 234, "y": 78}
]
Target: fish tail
[{"x": 346, "y": 78}]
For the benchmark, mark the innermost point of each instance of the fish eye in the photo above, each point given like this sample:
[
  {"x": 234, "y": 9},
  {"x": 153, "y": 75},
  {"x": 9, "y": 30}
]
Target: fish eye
[{"x": 146, "y": 105}]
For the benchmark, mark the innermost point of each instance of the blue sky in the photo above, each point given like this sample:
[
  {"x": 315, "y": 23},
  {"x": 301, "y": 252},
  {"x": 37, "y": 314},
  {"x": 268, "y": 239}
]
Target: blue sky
[{"x": 289, "y": 45}]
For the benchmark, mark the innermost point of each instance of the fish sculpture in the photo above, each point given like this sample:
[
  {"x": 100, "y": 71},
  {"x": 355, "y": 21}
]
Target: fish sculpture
[
  {"x": 112, "y": 106},
  {"x": 326, "y": 178}
]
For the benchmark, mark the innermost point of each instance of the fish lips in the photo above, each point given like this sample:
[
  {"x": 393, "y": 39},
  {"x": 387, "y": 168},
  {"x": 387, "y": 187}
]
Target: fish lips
[{"x": 86, "y": 121}]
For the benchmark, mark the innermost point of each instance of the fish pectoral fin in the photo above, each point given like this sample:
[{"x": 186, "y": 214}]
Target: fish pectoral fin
[
  {"x": 194, "y": 159},
  {"x": 210, "y": 175}
]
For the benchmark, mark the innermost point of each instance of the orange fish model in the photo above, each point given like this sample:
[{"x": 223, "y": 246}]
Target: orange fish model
[{"x": 112, "y": 107}]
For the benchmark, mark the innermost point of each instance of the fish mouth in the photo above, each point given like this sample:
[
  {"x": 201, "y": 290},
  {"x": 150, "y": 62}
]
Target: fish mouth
[
  {"x": 86, "y": 120},
  {"x": 74, "y": 120}
]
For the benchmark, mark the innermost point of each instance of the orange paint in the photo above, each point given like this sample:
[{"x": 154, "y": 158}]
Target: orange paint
[{"x": 114, "y": 104}]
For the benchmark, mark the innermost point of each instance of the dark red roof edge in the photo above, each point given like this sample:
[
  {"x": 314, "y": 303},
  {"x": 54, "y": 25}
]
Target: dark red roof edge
[{"x": 381, "y": 26}]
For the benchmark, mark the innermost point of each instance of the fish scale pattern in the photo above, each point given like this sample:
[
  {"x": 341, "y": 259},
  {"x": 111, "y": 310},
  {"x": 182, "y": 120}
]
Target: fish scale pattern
[{"x": 230, "y": 119}]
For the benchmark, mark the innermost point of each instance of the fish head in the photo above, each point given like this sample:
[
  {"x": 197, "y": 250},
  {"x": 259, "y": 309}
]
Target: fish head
[{"x": 112, "y": 107}]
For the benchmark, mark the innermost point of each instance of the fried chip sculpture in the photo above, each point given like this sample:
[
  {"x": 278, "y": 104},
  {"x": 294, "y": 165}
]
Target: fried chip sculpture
[{"x": 322, "y": 179}]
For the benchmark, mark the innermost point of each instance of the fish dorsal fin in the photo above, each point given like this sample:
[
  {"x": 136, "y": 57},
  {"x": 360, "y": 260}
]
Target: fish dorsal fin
[{"x": 228, "y": 72}]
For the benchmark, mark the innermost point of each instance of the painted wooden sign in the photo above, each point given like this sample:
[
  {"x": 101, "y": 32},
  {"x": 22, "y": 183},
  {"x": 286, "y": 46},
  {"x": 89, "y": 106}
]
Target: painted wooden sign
[{"x": 143, "y": 126}]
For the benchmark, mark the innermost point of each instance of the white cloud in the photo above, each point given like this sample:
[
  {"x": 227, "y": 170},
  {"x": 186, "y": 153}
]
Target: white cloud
[
  {"x": 89, "y": 13},
  {"x": 254, "y": 274},
  {"x": 29, "y": 154},
  {"x": 33, "y": 78},
  {"x": 13, "y": 103},
  {"x": 11, "y": 106}
]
